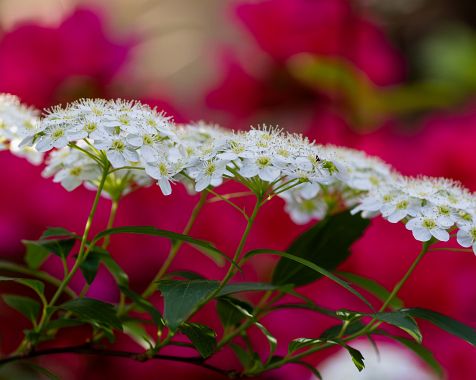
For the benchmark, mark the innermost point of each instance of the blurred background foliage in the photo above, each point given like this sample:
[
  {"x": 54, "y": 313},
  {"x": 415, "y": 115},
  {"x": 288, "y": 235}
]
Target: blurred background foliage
[{"x": 394, "y": 78}]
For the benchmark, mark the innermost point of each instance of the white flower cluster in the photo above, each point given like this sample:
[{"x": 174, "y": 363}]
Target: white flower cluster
[
  {"x": 16, "y": 122},
  {"x": 143, "y": 145}
]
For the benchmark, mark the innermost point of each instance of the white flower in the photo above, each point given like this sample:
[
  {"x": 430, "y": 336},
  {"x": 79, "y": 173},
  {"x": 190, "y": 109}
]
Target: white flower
[
  {"x": 302, "y": 210},
  {"x": 162, "y": 171},
  {"x": 118, "y": 151},
  {"x": 426, "y": 227},
  {"x": 261, "y": 166},
  {"x": 466, "y": 236},
  {"x": 51, "y": 137},
  {"x": 208, "y": 173}
]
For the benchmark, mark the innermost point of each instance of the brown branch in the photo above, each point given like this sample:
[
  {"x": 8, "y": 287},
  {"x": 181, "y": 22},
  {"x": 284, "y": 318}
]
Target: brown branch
[{"x": 86, "y": 349}]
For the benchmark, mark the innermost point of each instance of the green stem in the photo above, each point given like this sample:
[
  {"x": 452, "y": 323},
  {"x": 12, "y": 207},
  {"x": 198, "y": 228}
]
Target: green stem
[
  {"x": 367, "y": 329},
  {"x": 409, "y": 272},
  {"x": 81, "y": 254},
  {"x": 110, "y": 222},
  {"x": 107, "y": 239},
  {"x": 231, "y": 271},
  {"x": 176, "y": 246}
]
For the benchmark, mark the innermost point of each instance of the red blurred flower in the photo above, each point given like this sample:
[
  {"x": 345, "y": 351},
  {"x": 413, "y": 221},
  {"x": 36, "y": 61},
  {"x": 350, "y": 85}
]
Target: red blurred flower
[
  {"x": 284, "y": 28},
  {"x": 48, "y": 65}
]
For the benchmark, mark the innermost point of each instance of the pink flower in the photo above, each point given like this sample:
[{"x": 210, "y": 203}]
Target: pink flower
[{"x": 47, "y": 65}]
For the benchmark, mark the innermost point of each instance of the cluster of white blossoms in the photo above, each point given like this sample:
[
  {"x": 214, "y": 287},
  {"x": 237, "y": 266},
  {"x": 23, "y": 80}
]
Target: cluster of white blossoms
[
  {"x": 16, "y": 122},
  {"x": 142, "y": 145}
]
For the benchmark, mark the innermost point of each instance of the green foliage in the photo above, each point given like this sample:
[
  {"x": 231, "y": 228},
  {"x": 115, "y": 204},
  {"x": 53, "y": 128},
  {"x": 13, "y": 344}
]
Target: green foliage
[
  {"x": 56, "y": 240},
  {"x": 202, "y": 337},
  {"x": 202, "y": 245},
  {"x": 93, "y": 311},
  {"x": 326, "y": 244},
  {"x": 403, "y": 321},
  {"x": 306, "y": 263},
  {"x": 240, "y": 287},
  {"x": 373, "y": 288},
  {"x": 232, "y": 311},
  {"x": 25, "y": 305},
  {"x": 448, "y": 324},
  {"x": 182, "y": 297},
  {"x": 36, "y": 285},
  {"x": 423, "y": 353},
  {"x": 144, "y": 305}
]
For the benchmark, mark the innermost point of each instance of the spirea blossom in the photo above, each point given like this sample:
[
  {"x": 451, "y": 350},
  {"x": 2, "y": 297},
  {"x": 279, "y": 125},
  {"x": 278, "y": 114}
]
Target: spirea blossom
[
  {"x": 16, "y": 122},
  {"x": 138, "y": 145}
]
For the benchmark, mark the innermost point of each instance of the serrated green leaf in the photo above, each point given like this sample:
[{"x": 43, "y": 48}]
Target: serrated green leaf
[
  {"x": 60, "y": 323},
  {"x": 357, "y": 357},
  {"x": 24, "y": 305},
  {"x": 444, "y": 322},
  {"x": 182, "y": 297},
  {"x": 372, "y": 287},
  {"x": 202, "y": 337},
  {"x": 402, "y": 321},
  {"x": 94, "y": 312},
  {"x": 327, "y": 244},
  {"x": 312, "y": 266},
  {"x": 231, "y": 311},
  {"x": 144, "y": 305}
]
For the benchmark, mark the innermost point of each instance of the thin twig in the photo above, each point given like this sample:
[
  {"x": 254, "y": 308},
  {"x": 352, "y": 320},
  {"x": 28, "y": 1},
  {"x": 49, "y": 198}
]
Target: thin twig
[{"x": 88, "y": 350}]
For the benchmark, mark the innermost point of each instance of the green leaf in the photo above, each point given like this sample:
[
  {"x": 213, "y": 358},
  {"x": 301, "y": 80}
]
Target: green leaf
[
  {"x": 245, "y": 287},
  {"x": 249, "y": 360},
  {"x": 144, "y": 305},
  {"x": 38, "y": 250},
  {"x": 202, "y": 337},
  {"x": 186, "y": 274},
  {"x": 402, "y": 321},
  {"x": 89, "y": 267},
  {"x": 299, "y": 343},
  {"x": 94, "y": 312},
  {"x": 326, "y": 245},
  {"x": 61, "y": 322},
  {"x": 272, "y": 341},
  {"x": 58, "y": 232},
  {"x": 424, "y": 354},
  {"x": 232, "y": 311},
  {"x": 313, "y": 267},
  {"x": 24, "y": 305},
  {"x": 448, "y": 324},
  {"x": 357, "y": 357},
  {"x": 372, "y": 287},
  {"x": 182, "y": 297},
  {"x": 113, "y": 267},
  {"x": 136, "y": 331},
  {"x": 204, "y": 246},
  {"x": 36, "y": 285},
  {"x": 333, "y": 332}
]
